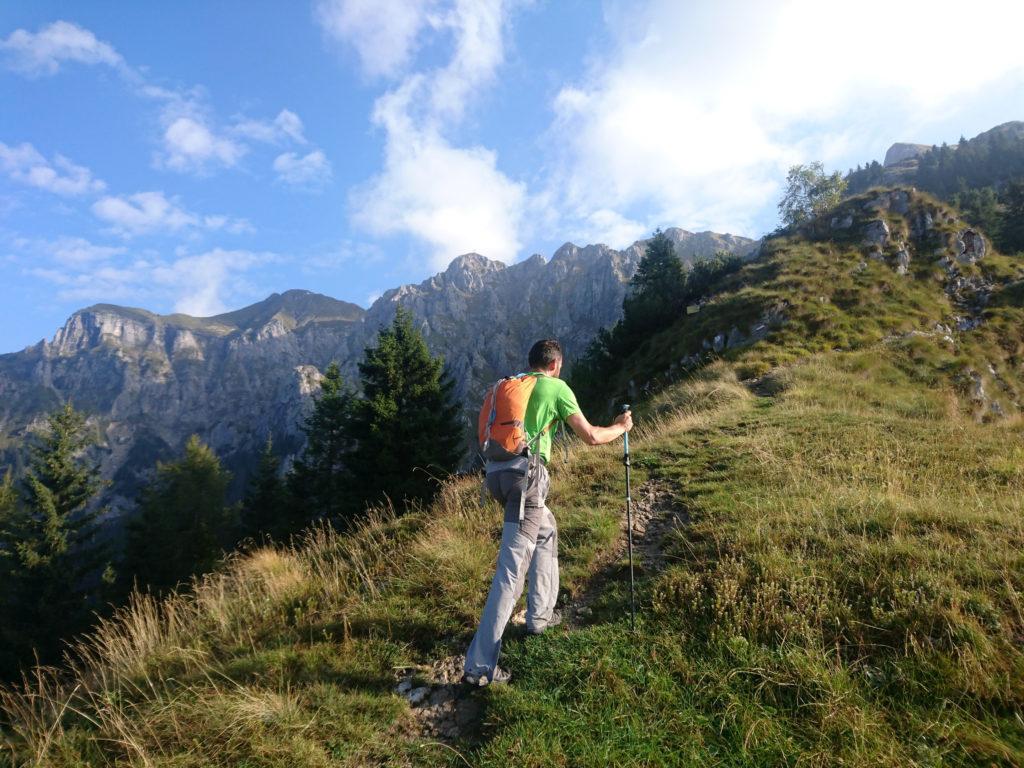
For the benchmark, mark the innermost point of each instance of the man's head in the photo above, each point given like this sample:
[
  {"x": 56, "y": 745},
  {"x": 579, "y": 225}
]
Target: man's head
[{"x": 546, "y": 355}]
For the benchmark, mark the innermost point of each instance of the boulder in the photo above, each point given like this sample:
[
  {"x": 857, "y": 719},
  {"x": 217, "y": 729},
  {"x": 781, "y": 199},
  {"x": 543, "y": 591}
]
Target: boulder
[
  {"x": 971, "y": 246},
  {"x": 899, "y": 202},
  {"x": 922, "y": 224},
  {"x": 902, "y": 260},
  {"x": 876, "y": 233},
  {"x": 735, "y": 338}
]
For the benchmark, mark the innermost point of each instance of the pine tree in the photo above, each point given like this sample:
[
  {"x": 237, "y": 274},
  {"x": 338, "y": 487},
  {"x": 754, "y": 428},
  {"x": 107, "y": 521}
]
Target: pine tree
[
  {"x": 183, "y": 524},
  {"x": 10, "y": 534},
  {"x": 319, "y": 483},
  {"x": 659, "y": 276},
  {"x": 407, "y": 426},
  {"x": 657, "y": 293},
  {"x": 266, "y": 508},
  {"x": 1011, "y": 231},
  {"x": 53, "y": 561}
]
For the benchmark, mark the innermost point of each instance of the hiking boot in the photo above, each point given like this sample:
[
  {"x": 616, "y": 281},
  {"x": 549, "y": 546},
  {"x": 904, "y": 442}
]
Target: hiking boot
[
  {"x": 479, "y": 680},
  {"x": 554, "y": 621}
]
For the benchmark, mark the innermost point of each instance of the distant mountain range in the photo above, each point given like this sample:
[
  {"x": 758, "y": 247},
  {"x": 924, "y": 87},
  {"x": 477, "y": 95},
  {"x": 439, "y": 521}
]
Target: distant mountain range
[{"x": 148, "y": 381}]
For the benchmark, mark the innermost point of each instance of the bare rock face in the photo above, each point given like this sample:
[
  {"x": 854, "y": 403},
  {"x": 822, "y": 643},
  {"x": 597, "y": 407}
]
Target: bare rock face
[
  {"x": 900, "y": 151},
  {"x": 149, "y": 381},
  {"x": 876, "y": 234},
  {"x": 970, "y": 246},
  {"x": 902, "y": 260}
]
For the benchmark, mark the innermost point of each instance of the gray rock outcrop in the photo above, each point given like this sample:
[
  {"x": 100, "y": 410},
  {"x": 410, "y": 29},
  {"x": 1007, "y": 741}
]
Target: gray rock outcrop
[{"x": 901, "y": 151}]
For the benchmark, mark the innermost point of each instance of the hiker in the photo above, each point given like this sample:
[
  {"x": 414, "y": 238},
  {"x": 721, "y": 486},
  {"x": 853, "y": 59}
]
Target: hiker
[{"x": 529, "y": 540}]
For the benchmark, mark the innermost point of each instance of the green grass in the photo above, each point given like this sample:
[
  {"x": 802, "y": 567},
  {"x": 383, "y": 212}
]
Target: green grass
[{"x": 849, "y": 592}]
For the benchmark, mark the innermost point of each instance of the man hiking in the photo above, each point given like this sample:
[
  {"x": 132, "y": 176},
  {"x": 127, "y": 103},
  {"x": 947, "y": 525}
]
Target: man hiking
[{"x": 529, "y": 540}]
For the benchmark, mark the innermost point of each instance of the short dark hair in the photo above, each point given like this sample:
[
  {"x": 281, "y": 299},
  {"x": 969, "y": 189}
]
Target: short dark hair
[{"x": 544, "y": 353}]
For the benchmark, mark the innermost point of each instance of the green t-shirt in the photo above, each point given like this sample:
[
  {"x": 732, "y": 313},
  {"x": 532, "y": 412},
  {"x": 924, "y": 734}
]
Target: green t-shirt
[{"x": 551, "y": 399}]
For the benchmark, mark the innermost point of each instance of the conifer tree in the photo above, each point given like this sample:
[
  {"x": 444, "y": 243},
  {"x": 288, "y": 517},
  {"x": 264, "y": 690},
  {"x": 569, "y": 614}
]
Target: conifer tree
[
  {"x": 53, "y": 561},
  {"x": 658, "y": 286},
  {"x": 1012, "y": 220},
  {"x": 319, "y": 483},
  {"x": 265, "y": 510},
  {"x": 10, "y": 534},
  {"x": 407, "y": 426},
  {"x": 184, "y": 523}
]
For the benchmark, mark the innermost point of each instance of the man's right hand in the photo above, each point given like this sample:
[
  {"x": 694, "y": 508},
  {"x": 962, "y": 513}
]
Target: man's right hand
[
  {"x": 592, "y": 435},
  {"x": 624, "y": 420}
]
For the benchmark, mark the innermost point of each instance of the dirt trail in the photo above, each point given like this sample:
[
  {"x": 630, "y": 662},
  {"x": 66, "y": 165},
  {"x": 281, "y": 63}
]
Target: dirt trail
[
  {"x": 444, "y": 709},
  {"x": 656, "y": 513}
]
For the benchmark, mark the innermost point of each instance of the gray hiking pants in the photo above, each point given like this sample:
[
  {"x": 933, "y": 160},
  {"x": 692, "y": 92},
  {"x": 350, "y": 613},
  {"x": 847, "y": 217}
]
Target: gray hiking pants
[{"x": 529, "y": 550}]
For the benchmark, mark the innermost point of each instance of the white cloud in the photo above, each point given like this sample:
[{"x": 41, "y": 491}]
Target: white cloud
[
  {"x": 203, "y": 282},
  {"x": 191, "y": 141},
  {"x": 25, "y": 164},
  {"x": 478, "y": 26},
  {"x": 383, "y": 34},
  {"x": 79, "y": 252},
  {"x": 311, "y": 170},
  {"x": 218, "y": 223},
  {"x": 698, "y": 133},
  {"x": 190, "y": 145},
  {"x": 43, "y": 52},
  {"x": 199, "y": 284},
  {"x": 611, "y": 228},
  {"x": 142, "y": 213},
  {"x": 286, "y": 126},
  {"x": 453, "y": 198},
  {"x": 149, "y": 212}
]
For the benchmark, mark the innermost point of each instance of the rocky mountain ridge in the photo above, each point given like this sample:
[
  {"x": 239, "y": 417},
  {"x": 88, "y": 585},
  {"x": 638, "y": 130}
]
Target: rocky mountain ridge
[{"x": 149, "y": 381}]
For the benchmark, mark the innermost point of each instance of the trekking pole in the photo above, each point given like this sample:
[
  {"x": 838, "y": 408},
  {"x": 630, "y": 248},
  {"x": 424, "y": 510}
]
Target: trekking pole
[{"x": 629, "y": 526}]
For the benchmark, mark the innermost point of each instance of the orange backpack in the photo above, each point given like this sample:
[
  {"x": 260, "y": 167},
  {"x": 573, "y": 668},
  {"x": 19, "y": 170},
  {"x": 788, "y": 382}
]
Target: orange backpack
[{"x": 501, "y": 429}]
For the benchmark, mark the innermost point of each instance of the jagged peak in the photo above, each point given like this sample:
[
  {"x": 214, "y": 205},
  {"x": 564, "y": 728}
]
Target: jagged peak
[
  {"x": 565, "y": 251},
  {"x": 474, "y": 263}
]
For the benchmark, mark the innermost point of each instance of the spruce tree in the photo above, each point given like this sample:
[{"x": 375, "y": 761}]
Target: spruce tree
[
  {"x": 265, "y": 510},
  {"x": 656, "y": 298},
  {"x": 53, "y": 561},
  {"x": 407, "y": 426},
  {"x": 319, "y": 483},
  {"x": 1011, "y": 233},
  {"x": 10, "y": 534},
  {"x": 183, "y": 524}
]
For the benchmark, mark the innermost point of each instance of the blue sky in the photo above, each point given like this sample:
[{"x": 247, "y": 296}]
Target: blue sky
[{"x": 196, "y": 156}]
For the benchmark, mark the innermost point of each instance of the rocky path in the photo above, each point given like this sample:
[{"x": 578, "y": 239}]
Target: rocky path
[
  {"x": 656, "y": 513},
  {"x": 442, "y": 708},
  {"x": 445, "y": 710}
]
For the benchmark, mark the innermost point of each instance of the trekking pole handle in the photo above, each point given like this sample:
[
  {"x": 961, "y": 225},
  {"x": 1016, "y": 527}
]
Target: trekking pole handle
[{"x": 625, "y": 435}]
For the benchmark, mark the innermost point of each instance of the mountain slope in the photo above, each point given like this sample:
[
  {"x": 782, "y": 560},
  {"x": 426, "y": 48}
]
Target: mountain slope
[
  {"x": 149, "y": 381},
  {"x": 830, "y": 562},
  {"x": 895, "y": 267}
]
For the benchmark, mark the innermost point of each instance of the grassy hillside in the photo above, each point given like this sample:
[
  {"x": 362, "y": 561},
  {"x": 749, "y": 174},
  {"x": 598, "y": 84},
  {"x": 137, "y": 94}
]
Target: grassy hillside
[
  {"x": 823, "y": 288},
  {"x": 831, "y": 568}
]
